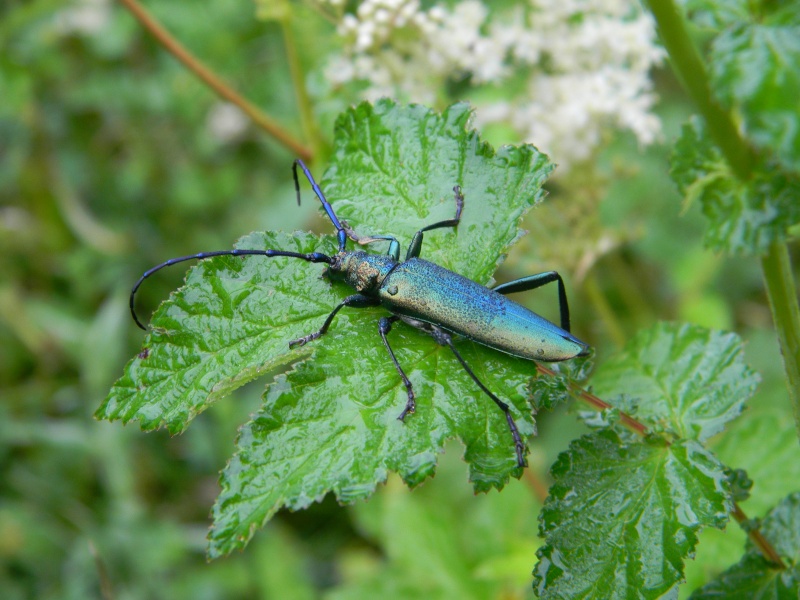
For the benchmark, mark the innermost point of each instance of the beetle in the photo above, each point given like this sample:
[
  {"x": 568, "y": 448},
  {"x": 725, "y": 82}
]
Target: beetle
[{"x": 428, "y": 297}]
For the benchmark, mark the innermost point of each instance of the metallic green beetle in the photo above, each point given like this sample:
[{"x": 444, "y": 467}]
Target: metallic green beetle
[{"x": 430, "y": 298}]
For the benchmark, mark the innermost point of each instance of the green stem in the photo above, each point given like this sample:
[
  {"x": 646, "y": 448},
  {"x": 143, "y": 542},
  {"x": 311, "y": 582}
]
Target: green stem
[
  {"x": 639, "y": 308},
  {"x": 775, "y": 264},
  {"x": 782, "y": 294},
  {"x": 604, "y": 310},
  {"x": 307, "y": 121},
  {"x": 690, "y": 69}
]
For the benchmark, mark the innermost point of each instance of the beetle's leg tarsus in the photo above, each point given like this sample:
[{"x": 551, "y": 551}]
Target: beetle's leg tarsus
[
  {"x": 519, "y": 446},
  {"x": 384, "y": 327},
  {"x": 416, "y": 243},
  {"x": 531, "y": 282},
  {"x": 354, "y": 301}
]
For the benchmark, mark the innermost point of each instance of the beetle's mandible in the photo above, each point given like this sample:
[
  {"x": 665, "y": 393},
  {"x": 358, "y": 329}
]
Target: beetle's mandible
[{"x": 430, "y": 298}]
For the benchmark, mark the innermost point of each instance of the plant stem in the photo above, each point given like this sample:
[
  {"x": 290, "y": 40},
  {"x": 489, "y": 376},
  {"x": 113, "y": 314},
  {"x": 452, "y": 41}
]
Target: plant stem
[
  {"x": 215, "y": 82},
  {"x": 758, "y": 538},
  {"x": 629, "y": 284},
  {"x": 689, "y": 67},
  {"x": 307, "y": 120},
  {"x": 604, "y": 310},
  {"x": 537, "y": 486},
  {"x": 782, "y": 294},
  {"x": 775, "y": 264},
  {"x": 597, "y": 403}
]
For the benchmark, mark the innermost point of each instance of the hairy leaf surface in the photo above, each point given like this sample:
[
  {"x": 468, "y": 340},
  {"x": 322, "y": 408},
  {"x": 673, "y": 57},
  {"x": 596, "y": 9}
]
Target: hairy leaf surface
[
  {"x": 330, "y": 423},
  {"x": 755, "y": 578},
  {"x": 754, "y": 70},
  {"x": 622, "y": 517},
  {"x": 743, "y": 217},
  {"x": 624, "y": 512},
  {"x": 683, "y": 378}
]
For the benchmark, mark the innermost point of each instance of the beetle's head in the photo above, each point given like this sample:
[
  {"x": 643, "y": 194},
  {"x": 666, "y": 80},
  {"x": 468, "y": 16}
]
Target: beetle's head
[{"x": 361, "y": 271}]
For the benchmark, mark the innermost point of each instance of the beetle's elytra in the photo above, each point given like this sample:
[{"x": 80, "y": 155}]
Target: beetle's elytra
[{"x": 430, "y": 298}]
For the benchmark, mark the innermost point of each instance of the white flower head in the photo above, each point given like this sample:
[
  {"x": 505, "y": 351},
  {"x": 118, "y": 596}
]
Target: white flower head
[
  {"x": 587, "y": 64},
  {"x": 226, "y": 122},
  {"x": 84, "y": 16}
]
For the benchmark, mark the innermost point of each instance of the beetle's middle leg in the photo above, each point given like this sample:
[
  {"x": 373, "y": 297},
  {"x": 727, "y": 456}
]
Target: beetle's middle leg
[
  {"x": 354, "y": 301},
  {"x": 384, "y": 327}
]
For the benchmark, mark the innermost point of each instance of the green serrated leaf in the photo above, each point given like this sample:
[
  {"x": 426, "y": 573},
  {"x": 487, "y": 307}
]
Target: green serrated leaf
[
  {"x": 755, "y": 578},
  {"x": 682, "y": 378},
  {"x": 754, "y": 69},
  {"x": 330, "y": 424},
  {"x": 393, "y": 170},
  {"x": 744, "y": 217},
  {"x": 230, "y": 323},
  {"x": 716, "y": 14},
  {"x": 622, "y": 517}
]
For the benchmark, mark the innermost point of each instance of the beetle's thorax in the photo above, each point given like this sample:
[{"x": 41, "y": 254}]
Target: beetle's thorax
[{"x": 361, "y": 271}]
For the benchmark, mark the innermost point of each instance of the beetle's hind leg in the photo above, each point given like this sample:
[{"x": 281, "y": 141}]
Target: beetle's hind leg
[
  {"x": 445, "y": 339},
  {"x": 532, "y": 282},
  {"x": 384, "y": 327}
]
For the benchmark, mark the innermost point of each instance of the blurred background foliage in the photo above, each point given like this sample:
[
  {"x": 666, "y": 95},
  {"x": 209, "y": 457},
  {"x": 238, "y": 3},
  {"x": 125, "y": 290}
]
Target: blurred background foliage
[{"x": 114, "y": 157}]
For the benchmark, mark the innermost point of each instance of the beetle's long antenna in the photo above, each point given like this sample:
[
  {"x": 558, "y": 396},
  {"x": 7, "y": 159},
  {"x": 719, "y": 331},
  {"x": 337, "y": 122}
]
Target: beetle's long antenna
[
  {"x": 314, "y": 257},
  {"x": 340, "y": 232}
]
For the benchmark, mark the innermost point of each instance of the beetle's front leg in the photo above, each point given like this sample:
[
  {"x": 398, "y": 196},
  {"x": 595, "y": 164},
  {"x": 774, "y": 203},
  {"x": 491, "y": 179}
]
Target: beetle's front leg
[
  {"x": 364, "y": 240},
  {"x": 354, "y": 301}
]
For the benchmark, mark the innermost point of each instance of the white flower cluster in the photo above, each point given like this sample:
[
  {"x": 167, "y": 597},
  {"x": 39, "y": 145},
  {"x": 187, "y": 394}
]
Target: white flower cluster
[
  {"x": 579, "y": 67},
  {"x": 84, "y": 17}
]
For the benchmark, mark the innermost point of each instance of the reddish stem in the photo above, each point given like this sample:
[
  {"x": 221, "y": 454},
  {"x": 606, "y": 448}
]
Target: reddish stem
[{"x": 213, "y": 81}]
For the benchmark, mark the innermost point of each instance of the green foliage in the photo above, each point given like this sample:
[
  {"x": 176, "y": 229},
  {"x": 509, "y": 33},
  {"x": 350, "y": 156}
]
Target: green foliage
[
  {"x": 109, "y": 163},
  {"x": 651, "y": 496},
  {"x": 745, "y": 217},
  {"x": 751, "y": 69},
  {"x": 232, "y": 322},
  {"x": 754, "y": 577},
  {"x": 429, "y": 553},
  {"x": 331, "y": 423},
  {"x": 683, "y": 379},
  {"x": 754, "y": 70}
]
